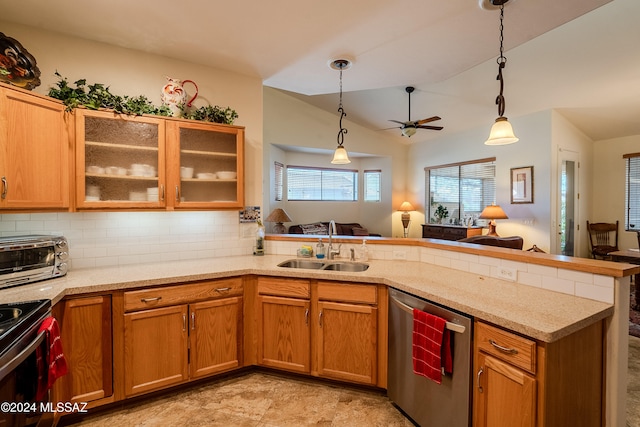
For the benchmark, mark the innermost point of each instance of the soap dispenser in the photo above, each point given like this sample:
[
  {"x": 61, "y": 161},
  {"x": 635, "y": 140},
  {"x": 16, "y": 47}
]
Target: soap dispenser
[
  {"x": 364, "y": 251},
  {"x": 320, "y": 249}
]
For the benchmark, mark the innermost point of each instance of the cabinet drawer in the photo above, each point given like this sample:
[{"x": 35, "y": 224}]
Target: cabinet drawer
[
  {"x": 181, "y": 294},
  {"x": 330, "y": 291},
  {"x": 295, "y": 288},
  {"x": 511, "y": 348}
]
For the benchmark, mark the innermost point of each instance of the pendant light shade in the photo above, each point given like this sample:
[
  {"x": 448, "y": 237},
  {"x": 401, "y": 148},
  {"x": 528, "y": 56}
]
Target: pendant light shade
[
  {"x": 340, "y": 156},
  {"x": 501, "y": 133}
]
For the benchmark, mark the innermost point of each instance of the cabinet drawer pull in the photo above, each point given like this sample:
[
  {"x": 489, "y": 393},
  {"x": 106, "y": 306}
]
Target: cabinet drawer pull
[
  {"x": 503, "y": 349},
  {"x": 320, "y": 319},
  {"x": 221, "y": 290},
  {"x": 162, "y": 193},
  {"x": 306, "y": 317},
  {"x": 184, "y": 322},
  {"x": 480, "y": 389},
  {"x": 146, "y": 300},
  {"x": 177, "y": 193},
  {"x": 193, "y": 320},
  {"x": 5, "y": 187}
]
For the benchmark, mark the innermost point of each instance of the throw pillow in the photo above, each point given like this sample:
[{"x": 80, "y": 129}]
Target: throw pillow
[
  {"x": 317, "y": 228},
  {"x": 357, "y": 231}
]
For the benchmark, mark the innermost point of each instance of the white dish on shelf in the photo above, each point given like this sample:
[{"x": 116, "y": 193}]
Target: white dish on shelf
[
  {"x": 97, "y": 170},
  {"x": 226, "y": 175},
  {"x": 186, "y": 172},
  {"x": 206, "y": 175},
  {"x": 92, "y": 198}
]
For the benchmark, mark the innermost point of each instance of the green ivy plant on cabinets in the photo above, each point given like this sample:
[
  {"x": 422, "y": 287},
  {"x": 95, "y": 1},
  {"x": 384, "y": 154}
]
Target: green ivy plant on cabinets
[{"x": 97, "y": 95}]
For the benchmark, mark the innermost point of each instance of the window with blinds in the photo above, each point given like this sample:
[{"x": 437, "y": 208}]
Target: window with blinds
[
  {"x": 632, "y": 192},
  {"x": 306, "y": 183},
  {"x": 278, "y": 180},
  {"x": 372, "y": 185},
  {"x": 464, "y": 189}
]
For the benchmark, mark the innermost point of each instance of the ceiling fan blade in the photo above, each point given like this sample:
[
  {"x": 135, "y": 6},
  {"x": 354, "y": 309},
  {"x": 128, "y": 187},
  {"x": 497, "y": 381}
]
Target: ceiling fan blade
[
  {"x": 400, "y": 123},
  {"x": 430, "y": 127},
  {"x": 395, "y": 127},
  {"x": 430, "y": 119}
]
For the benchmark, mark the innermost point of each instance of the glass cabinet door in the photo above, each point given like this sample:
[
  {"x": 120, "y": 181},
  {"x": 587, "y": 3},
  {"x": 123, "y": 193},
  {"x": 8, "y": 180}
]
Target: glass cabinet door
[
  {"x": 119, "y": 161},
  {"x": 205, "y": 163}
]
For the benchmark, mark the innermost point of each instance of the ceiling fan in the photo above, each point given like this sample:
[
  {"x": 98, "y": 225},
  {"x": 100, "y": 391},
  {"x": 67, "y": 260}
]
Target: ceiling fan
[{"x": 409, "y": 127}]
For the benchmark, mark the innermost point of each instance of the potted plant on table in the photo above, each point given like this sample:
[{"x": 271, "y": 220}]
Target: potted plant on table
[{"x": 440, "y": 213}]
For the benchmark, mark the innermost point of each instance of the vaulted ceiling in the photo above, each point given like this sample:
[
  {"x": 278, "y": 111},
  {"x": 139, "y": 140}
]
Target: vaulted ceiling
[{"x": 579, "y": 56}]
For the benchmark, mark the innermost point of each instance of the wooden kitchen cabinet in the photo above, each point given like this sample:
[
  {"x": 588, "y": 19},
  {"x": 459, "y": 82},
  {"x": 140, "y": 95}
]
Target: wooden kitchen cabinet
[
  {"x": 520, "y": 381},
  {"x": 34, "y": 152},
  {"x": 174, "y": 334},
  {"x": 86, "y": 334},
  {"x": 347, "y": 327},
  {"x": 204, "y": 149},
  {"x": 118, "y": 159},
  {"x": 283, "y": 324},
  {"x": 134, "y": 162}
]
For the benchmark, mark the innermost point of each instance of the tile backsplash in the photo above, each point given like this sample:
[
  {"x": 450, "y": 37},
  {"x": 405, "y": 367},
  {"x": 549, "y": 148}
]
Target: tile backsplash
[{"x": 99, "y": 239}]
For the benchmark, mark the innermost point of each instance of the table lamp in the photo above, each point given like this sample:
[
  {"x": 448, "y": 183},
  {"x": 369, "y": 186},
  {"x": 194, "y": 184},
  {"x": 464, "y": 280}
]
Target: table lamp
[
  {"x": 493, "y": 212},
  {"x": 405, "y": 207},
  {"x": 278, "y": 216}
]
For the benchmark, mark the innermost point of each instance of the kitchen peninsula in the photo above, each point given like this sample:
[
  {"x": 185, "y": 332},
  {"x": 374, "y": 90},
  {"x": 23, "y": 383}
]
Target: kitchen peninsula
[{"x": 460, "y": 276}]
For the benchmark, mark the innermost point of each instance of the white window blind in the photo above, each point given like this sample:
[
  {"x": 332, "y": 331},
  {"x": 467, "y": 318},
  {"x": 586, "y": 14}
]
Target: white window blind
[
  {"x": 372, "y": 185},
  {"x": 464, "y": 189},
  {"x": 278, "y": 180},
  {"x": 306, "y": 183},
  {"x": 632, "y": 192}
]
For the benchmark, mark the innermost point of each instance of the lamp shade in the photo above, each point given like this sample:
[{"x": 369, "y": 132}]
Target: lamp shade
[
  {"x": 340, "y": 156},
  {"x": 278, "y": 215},
  {"x": 501, "y": 133},
  {"x": 406, "y": 207},
  {"x": 409, "y": 131},
  {"x": 493, "y": 212}
]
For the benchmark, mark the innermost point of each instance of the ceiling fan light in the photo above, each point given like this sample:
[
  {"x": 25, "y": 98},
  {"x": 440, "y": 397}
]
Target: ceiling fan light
[
  {"x": 340, "y": 156},
  {"x": 408, "y": 131},
  {"x": 501, "y": 133}
]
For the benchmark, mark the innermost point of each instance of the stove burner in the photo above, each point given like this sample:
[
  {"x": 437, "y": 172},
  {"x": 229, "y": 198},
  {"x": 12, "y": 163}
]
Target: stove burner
[{"x": 9, "y": 314}]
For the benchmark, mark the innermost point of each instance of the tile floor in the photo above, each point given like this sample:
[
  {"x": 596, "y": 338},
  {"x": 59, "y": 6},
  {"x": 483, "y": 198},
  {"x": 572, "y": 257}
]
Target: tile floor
[
  {"x": 258, "y": 399},
  {"x": 264, "y": 399}
]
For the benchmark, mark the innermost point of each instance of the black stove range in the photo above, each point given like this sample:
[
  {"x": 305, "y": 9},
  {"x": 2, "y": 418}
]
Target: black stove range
[{"x": 19, "y": 321}]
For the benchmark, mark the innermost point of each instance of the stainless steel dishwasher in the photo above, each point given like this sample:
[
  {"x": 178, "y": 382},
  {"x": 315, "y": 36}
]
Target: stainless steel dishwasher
[{"x": 429, "y": 404}]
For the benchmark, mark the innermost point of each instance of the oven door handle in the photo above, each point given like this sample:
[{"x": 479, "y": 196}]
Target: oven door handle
[{"x": 22, "y": 356}]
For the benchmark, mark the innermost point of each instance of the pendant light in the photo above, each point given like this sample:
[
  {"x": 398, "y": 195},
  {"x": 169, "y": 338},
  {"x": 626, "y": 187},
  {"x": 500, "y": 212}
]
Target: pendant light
[
  {"x": 501, "y": 131},
  {"x": 340, "y": 156}
]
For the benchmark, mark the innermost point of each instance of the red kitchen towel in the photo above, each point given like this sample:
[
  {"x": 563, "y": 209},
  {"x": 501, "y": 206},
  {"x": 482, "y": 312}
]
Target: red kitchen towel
[
  {"x": 52, "y": 365},
  {"x": 431, "y": 346}
]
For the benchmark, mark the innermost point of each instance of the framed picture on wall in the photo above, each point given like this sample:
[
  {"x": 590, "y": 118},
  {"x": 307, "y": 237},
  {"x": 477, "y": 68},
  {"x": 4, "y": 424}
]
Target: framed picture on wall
[{"x": 522, "y": 185}]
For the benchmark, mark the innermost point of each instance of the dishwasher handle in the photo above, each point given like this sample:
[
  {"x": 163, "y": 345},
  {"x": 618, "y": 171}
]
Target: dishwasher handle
[{"x": 454, "y": 327}]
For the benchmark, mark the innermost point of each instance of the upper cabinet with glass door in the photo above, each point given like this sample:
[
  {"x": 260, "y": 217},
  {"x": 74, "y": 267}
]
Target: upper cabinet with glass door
[
  {"x": 120, "y": 161},
  {"x": 204, "y": 165}
]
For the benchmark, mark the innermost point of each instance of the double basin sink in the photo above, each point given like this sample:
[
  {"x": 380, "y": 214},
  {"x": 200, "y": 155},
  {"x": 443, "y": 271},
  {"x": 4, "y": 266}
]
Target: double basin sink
[{"x": 351, "y": 267}]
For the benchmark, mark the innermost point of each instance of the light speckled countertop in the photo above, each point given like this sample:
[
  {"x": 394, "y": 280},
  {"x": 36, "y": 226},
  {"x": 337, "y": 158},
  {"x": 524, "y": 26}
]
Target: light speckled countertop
[{"x": 537, "y": 313}]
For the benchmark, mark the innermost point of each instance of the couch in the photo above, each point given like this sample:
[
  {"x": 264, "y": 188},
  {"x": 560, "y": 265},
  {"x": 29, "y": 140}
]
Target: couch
[
  {"x": 322, "y": 228},
  {"x": 513, "y": 242}
]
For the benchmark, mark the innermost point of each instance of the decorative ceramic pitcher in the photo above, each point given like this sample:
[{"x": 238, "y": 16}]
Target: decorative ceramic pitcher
[{"x": 174, "y": 96}]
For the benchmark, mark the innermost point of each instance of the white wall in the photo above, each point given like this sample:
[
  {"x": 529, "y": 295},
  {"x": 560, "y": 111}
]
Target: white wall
[
  {"x": 533, "y": 149},
  {"x": 289, "y": 122},
  {"x": 121, "y": 237},
  {"x": 608, "y": 184}
]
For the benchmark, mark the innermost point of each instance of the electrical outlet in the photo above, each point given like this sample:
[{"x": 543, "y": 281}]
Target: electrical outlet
[
  {"x": 399, "y": 254},
  {"x": 508, "y": 273}
]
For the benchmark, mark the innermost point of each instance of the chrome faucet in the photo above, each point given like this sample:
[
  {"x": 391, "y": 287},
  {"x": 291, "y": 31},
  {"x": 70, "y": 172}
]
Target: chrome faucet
[{"x": 330, "y": 251}]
